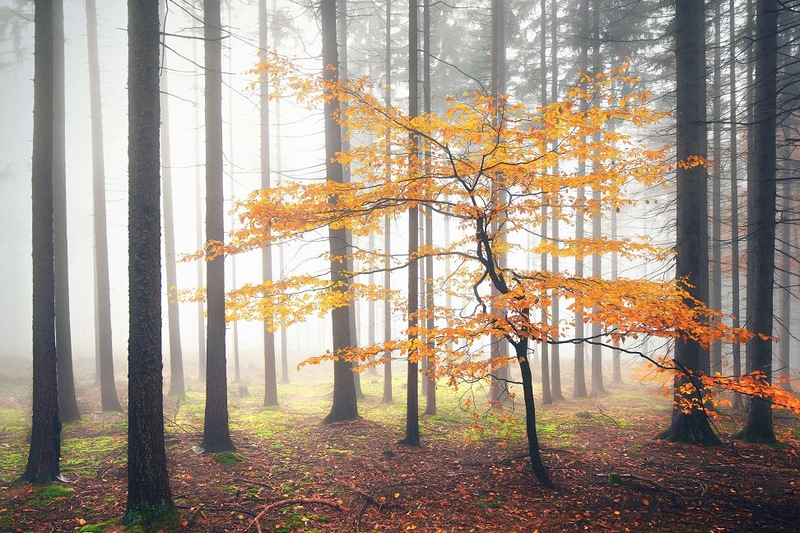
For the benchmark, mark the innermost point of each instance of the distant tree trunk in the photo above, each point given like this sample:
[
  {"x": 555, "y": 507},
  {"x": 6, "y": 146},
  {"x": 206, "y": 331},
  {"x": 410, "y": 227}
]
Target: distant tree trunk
[
  {"x": 176, "y": 382},
  {"x": 149, "y": 495},
  {"x": 67, "y": 403},
  {"x": 412, "y": 399},
  {"x": 616, "y": 365},
  {"x": 198, "y": 208},
  {"x": 430, "y": 378},
  {"x": 715, "y": 274},
  {"x": 598, "y": 387},
  {"x": 387, "y": 234},
  {"x": 45, "y": 444},
  {"x": 692, "y": 211},
  {"x": 270, "y": 371},
  {"x": 761, "y": 192},
  {"x": 109, "y": 400},
  {"x": 546, "y": 395},
  {"x": 216, "y": 432},
  {"x": 734, "y": 147},
  {"x": 345, "y": 404},
  {"x": 580, "y": 352}
]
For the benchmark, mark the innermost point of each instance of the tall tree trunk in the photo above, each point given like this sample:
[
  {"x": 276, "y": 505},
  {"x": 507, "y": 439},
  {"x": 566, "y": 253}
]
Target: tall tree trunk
[
  {"x": 597, "y": 351},
  {"x": 761, "y": 191},
  {"x": 692, "y": 213},
  {"x": 216, "y": 432},
  {"x": 109, "y": 400},
  {"x": 45, "y": 444},
  {"x": 149, "y": 495},
  {"x": 546, "y": 395},
  {"x": 430, "y": 399},
  {"x": 345, "y": 403},
  {"x": 580, "y": 352},
  {"x": 412, "y": 399},
  {"x": 715, "y": 274},
  {"x": 270, "y": 377},
  {"x": 387, "y": 227},
  {"x": 67, "y": 403},
  {"x": 176, "y": 382},
  {"x": 198, "y": 209},
  {"x": 735, "y": 306}
]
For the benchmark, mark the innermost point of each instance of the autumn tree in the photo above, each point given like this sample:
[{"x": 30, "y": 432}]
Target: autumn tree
[{"x": 149, "y": 495}]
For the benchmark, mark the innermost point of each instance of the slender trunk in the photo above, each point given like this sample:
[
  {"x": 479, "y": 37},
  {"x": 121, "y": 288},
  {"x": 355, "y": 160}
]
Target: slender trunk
[
  {"x": 412, "y": 398},
  {"x": 67, "y": 403},
  {"x": 216, "y": 432},
  {"x": 546, "y": 395},
  {"x": 345, "y": 406},
  {"x": 387, "y": 227},
  {"x": 176, "y": 384},
  {"x": 198, "y": 209},
  {"x": 735, "y": 306},
  {"x": 270, "y": 377},
  {"x": 715, "y": 274},
  {"x": 109, "y": 400}
]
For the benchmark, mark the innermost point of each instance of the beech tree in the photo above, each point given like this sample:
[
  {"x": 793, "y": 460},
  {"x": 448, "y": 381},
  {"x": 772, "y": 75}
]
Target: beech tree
[{"x": 474, "y": 156}]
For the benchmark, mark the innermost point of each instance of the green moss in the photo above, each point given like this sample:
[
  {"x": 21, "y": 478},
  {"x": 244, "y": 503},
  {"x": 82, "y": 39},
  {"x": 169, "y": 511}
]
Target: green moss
[
  {"x": 140, "y": 520},
  {"x": 614, "y": 478},
  {"x": 48, "y": 494},
  {"x": 228, "y": 458}
]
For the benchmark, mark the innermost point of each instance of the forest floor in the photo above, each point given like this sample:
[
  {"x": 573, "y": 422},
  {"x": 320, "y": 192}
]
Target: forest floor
[{"x": 470, "y": 474}]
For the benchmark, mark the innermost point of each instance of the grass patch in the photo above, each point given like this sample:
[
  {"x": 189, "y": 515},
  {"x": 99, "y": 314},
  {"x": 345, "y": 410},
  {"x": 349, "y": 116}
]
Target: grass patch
[
  {"x": 98, "y": 528},
  {"x": 48, "y": 494},
  {"x": 228, "y": 458},
  {"x": 85, "y": 456}
]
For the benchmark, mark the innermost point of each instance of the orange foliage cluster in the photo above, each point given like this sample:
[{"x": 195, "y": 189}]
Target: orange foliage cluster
[{"x": 489, "y": 166}]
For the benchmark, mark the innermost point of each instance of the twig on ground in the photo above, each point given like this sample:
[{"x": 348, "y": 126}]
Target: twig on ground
[{"x": 292, "y": 501}]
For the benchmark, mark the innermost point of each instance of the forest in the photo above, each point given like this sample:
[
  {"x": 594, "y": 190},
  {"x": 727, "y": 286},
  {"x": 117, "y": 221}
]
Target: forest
[{"x": 319, "y": 265}]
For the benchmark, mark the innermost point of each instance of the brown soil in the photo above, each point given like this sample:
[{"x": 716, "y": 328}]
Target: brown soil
[{"x": 610, "y": 475}]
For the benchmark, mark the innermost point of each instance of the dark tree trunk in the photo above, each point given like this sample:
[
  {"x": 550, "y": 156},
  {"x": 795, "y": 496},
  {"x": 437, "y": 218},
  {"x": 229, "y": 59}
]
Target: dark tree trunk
[
  {"x": 579, "y": 389},
  {"x": 67, "y": 403},
  {"x": 176, "y": 382},
  {"x": 270, "y": 376},
  {"x": 216, "y": 432},
  {"x": 45, "y": 447},
  {"x": 735, "y": 306},
  {"x": 692, "y": 210},
  {"x": 539, "y": 470},
  {"x": 715, "y": 273},
  {"x": 345, "y": 404},
  {"x": 109, "y": 400},
  {"x": 412, "y": 399},
  {"x": 761, "y": 190},
  {"x": 387, "y": 236},
  {"x": 149, "y": 495},
  {"x": 598, "y": 387}
]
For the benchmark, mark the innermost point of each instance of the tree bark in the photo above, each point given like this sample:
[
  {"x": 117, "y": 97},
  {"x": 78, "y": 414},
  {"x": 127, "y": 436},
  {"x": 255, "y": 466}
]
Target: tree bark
[
  {"x": 109, "y": 400},
  {"x": 270, "y": 367},
  {"x": 387, "y": 227},
  {"x": 45, "y": 445},
  {"x": 177, "y": 388},
  {"x": 67, "y": 403},
  {"x": 692, "y": 212},
  {"x": 216, "y": 432},
  {"x": 761, "y": 192},
  {"x": 149, "y": 495},
  {"x": 345, "y": 404}
]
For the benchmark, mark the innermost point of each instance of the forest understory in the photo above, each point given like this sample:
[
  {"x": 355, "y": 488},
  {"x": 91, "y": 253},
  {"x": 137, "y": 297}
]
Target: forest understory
[{"x": 296, "y": 473}]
